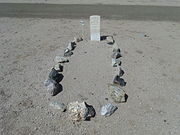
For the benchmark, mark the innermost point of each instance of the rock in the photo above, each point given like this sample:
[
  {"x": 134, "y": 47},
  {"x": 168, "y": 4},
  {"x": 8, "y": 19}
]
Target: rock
[
  {"x": 116, "y": 50},
  {"x": 121, "y": 72},
  {"x": 59, "y": 59},
  {"x": 58, "y": 105},
  {"x": 108, "y": 109},
  {"x": 68, "y": 54},
  {"x": 80, "y": 111},
  {"x": 54, "y": 75},
  {"x": 52, "y": 86},
  {"x": 116, "y": 55},
  {"x": 118, "y": 80},
  {"x": 58, "y": 67},
  {"x": 110, "y": 40},
  {"x": 116, "y": 62},
  {"x": 117, "y": 93},
  {"x": 76, "y": 40},
  {"x": 71, "y": 46}
]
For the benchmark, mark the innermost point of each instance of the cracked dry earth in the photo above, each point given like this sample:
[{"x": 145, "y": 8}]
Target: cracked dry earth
[{"x": 151, "y": 54}]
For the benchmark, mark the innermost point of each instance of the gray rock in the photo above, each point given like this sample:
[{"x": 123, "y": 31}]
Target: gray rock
[
  {"x": 110, "y": 40},
  {"x": 58, "y": 67},
  {"x": 58, "y": 105},
  {"x": 118, "y": 80},
  {"x": 116, "y": 55},
  {"x": 59, "y": 59},
  {"x": 116, "y": 62},
  {"x": 68, "y": 54},
  {"x": 117, "y": 93},
  {"x": 52, "y": 86},
  {"x": 121, "y": 72},
  {"x": 108, "y": 109}
]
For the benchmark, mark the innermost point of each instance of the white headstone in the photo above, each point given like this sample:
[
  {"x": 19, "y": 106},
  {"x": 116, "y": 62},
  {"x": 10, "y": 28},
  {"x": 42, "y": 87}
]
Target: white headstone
[{"x": 95, "y": 27}]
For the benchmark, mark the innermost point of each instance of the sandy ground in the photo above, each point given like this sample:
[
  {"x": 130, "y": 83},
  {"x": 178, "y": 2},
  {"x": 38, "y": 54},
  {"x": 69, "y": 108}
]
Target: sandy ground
[
  {"x": 151, "y": 64},
  {"x": 115, "y": 2}
]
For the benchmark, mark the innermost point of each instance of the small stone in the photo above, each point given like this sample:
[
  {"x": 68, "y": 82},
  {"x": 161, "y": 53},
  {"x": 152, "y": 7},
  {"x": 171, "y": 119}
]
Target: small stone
[
  {"x": 116, "y": 55},
  {"x": 52, "y": 86},
  {"x": 71, "y": 46},
  {"x": 116, "y": 62},
  {"x": 108, "y": 109},
  {"x": 121, "y": 72},
  {"x": 110, "y": 40},
  {"x": 54, "y": 75},
  {"x": 68, "y": 54},
  {"x": 59, "y": 59},
  {"x": 58, "y": 67},
  {"x": 117, "y": 93},
  {"x": 58, "y": 105},
  {"x": 119, "y": 81}
]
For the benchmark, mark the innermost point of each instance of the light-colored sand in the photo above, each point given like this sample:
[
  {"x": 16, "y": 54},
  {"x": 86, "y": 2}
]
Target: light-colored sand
[
  {"x": 113, "y": 2},
  {"x": 151, "y": 65}
]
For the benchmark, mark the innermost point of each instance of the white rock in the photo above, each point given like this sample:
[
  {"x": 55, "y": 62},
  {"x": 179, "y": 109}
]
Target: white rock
[
  {"x": 77, "y": 111},
  {"x": 58, "y": 105}
]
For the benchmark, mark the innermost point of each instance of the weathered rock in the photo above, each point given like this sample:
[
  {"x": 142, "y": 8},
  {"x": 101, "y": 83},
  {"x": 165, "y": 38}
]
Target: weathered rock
[
  {"x": 58, "y": 105},
  {"x": 58, "y": 67},
  {"x": 71, "y": 46},
  {"x": 117, "y": 93},
  {"x": 110, "y": 40},
  {"x": 116, "y": 62},
  {"x": 59, "y": 59},
  {"x": 108, "y": 109},
  {"x": 52, "y": 86},
  {"x": 118, "y": 80},
  {"x": 80, "y": 111}
]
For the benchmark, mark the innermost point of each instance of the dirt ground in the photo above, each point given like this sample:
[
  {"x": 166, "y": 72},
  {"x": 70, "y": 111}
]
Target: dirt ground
[{"x": 151, "y": 53}]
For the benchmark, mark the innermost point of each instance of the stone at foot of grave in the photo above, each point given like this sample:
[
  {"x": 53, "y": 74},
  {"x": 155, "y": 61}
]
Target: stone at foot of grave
[
  {"x": 59, "y": 59},
  {"x": 58, "y": 67},
  {"x": 116, "y": 62},
  {"x": 95, "y": 27},
  {"x": 108, "y": 109},
  {"x": 117, "y": 93},
  {"x": 110, "y": 40},
  {"x": 119, "y": 81}
]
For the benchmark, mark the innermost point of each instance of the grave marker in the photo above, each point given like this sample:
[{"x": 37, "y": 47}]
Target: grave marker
[{"x": 95, "y": 27}]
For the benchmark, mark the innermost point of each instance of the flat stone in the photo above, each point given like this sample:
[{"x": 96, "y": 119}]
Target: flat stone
[{"x": 108, "y": 109}]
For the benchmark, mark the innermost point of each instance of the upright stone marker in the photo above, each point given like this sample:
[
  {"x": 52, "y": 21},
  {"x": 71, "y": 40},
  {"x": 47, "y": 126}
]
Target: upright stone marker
[{"x": 95, "y": 27}]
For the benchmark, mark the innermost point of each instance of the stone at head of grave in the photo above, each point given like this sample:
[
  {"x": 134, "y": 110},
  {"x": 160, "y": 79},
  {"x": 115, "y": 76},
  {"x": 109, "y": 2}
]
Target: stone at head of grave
[
  {"x": 58, "y": 105},
  {"x": 119, "y": 81},
  {"x": 116, "y": 62},
  {"x": 95, "y": 27},
  {"x": 59, "y": 59},
  {"x": 58, "y": 67},
  {"x": 52, "y": 86},
  {"x": 77, "y": 111},
  {"x": 121, "y": 72},
  {"x": 116, "y": 55},
  {"x": 110, "y": 40},
  {"x": 117, "y": 93},
  {"x": 108, "y": 109}
]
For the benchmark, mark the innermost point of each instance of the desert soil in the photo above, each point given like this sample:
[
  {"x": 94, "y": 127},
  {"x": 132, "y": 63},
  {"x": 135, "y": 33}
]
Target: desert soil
[{"x": 151, "y": 53}]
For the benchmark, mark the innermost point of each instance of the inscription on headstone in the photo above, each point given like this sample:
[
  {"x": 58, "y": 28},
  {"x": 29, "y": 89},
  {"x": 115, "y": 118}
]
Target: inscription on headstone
[{"x": 95, "y": 27}]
